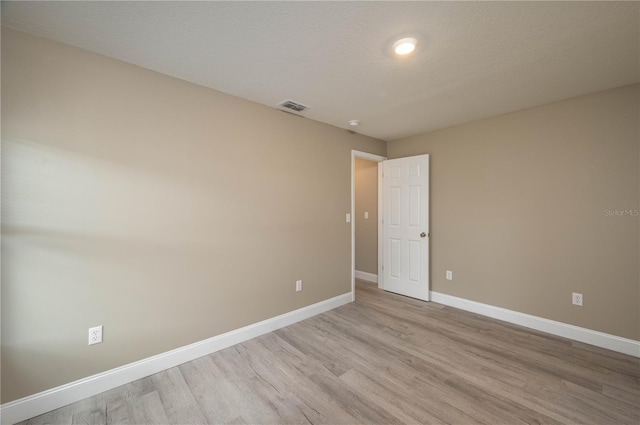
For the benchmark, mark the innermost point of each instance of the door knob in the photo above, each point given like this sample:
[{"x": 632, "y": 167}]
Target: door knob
[{"x": 423, "y": 235}]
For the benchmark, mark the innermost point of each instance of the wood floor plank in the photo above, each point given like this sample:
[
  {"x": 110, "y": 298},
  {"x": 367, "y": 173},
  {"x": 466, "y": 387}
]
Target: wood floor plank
[
  {"x": 89, "y": 417},
  {"x": 288, "y": 370},
  {"x": 120, "y": 396},
  {"x": 398, "y": 401},
  {"x": 177, "y": 400},
  {"x": 223, "y": 395},
  {"x": 383, "y": 359},
  {"x": 144, "y": 409},
  {"x": 285, "y": 406},
  {"x": 148, "y": 409},
  {"x": 220, "y": 401},
  {"x": 65, "y": 415},
  {"x": 630, "y": 397}
]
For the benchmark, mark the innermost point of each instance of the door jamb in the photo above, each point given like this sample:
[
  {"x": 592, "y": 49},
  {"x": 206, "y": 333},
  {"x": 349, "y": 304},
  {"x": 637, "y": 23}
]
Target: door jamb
[{"x": 371, "y": 157}]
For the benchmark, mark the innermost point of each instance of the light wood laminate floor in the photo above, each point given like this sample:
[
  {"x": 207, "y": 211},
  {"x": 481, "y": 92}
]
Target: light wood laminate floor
[{"x": 384, "y": 359}]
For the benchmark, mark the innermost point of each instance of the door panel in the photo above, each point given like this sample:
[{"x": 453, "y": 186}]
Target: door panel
[
  {"x": 394, "y": 258},
  {"x": 405, "y": 216},
  {"x": 414, "y": 206},
  {"x": 394, "y": 206}
]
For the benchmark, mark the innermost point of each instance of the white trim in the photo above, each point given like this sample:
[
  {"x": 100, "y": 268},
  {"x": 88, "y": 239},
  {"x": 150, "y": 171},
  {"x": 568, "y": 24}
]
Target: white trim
[
  {"x": 368, "y": 156},
  {"x": 371, "y": 157},
  {"x": 369, "y": 277},
  {"x": 576, "y": 333},
  {"x": 37, "y": 404},
  {"x": 380, "y": 227}
]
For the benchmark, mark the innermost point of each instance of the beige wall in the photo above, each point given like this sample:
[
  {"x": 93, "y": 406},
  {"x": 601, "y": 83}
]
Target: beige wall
[
  {"x": 165, "y": 211},
  {"x": 519, "y": 210},
  {"x": 366, "y": 181}
]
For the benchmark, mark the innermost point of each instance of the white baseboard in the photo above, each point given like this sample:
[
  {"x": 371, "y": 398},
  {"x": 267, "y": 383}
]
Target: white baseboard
[
  {"x": 369, "y": 277},
  {"x": 576, "y": 333},
  {"x": 37, "y": 404}
]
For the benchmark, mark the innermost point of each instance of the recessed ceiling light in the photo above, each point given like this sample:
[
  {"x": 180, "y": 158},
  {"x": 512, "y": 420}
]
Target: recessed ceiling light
[
  {"x": 354, "y": 123},
  {"x": 405, "y": 46}
]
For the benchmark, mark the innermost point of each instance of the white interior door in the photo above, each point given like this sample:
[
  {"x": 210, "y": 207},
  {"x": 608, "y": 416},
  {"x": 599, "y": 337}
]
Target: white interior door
[{"x": 404, "y": 266}]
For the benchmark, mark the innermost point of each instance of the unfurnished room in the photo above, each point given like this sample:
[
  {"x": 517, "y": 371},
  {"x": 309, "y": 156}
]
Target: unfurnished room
[{"x": 320, "y": 212}]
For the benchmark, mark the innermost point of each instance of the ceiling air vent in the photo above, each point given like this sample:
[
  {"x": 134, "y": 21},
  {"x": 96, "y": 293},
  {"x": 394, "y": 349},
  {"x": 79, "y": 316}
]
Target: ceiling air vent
[{"x": 294, "y": 106}]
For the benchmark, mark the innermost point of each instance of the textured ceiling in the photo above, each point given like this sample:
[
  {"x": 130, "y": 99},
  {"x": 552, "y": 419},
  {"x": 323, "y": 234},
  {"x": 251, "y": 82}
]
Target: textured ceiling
[{"x": 475, "y": 59}]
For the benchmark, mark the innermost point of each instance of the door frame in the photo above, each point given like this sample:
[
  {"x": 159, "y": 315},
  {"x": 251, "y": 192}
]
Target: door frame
[{"x": 371, "y": 157}]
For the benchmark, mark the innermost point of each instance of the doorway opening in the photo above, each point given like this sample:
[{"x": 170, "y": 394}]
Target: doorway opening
[{"x": 365, "y": 205}]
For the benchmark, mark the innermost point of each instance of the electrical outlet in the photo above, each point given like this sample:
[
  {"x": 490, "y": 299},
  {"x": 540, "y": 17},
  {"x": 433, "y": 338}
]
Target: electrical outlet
[
  {"x": 298, "y": 285},
  {"x": 95, "y": 335},
  {"x": 366, "y": 215},
  {"x": 577, "y": 298},
  {"x": 449, "y": 275}
]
